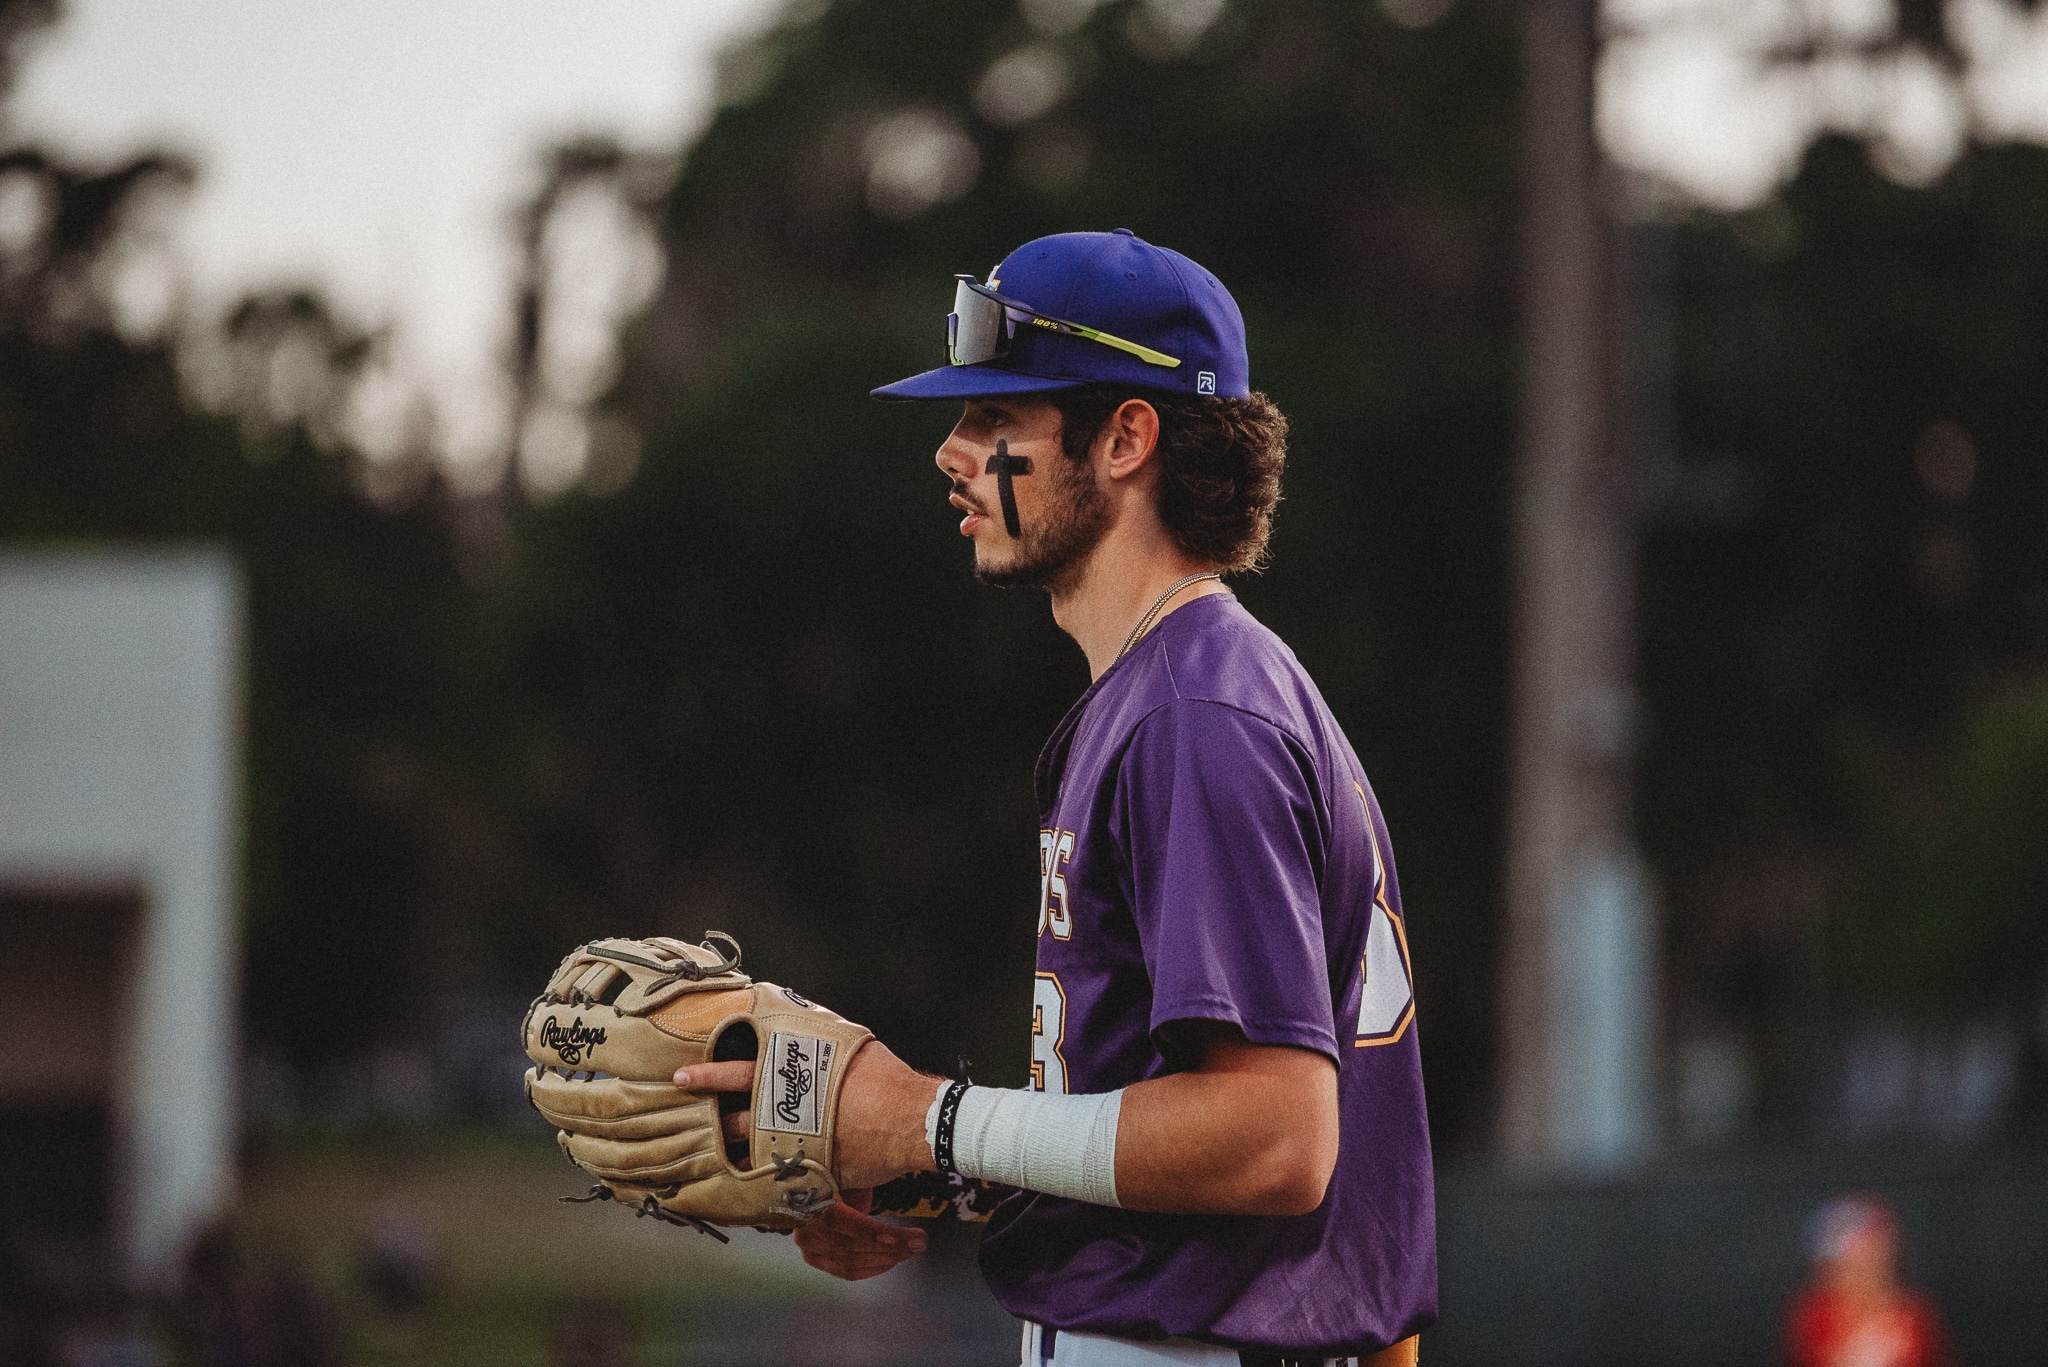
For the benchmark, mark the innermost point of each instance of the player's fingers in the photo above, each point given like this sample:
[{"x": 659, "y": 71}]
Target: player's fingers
[
  {"x": 737, "y": 1076},
  {"x": 737, "y": 1126},
  {"x": 853, "y": 1267},
  {"x": 850, "y": 1211},
  {"x": 841, "y": 1250},
  {"x": 826, "y": 1245},
  {"x": 845, "y": 1232},
  {"x": 838, "y": 1218},
  {"x": 858, "y": 1272},
  {"x": 827, "y": 1238},
  {"x": 855, "y": 1227}
]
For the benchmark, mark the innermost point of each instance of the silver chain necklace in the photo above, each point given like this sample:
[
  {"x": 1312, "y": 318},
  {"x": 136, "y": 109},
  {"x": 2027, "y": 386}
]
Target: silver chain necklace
[{"x": 1145, "y": 622}]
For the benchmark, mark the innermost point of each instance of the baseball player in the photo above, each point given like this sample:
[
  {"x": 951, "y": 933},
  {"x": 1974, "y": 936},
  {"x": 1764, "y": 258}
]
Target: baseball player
[{"x": 1223, "y": 1155}]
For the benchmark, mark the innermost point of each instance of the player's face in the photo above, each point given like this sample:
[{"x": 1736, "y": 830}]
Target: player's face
[{"x": 1061, "y": 515}]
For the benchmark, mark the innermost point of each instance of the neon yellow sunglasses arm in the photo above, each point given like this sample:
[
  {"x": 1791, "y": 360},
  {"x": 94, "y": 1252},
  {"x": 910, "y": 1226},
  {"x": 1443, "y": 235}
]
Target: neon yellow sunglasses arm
[{"x": 1143, "y": 353}]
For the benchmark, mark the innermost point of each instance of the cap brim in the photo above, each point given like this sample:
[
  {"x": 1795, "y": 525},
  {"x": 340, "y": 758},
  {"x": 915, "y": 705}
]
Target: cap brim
[{"x": 969, "y": 382}]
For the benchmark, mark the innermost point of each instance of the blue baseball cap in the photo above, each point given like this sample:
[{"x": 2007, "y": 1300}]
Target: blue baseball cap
[{"x": 1084, "y": 308}]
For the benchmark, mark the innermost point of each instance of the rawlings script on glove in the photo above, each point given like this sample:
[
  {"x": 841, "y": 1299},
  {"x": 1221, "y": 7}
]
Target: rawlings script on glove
[{"x": 620, "y": 1016}]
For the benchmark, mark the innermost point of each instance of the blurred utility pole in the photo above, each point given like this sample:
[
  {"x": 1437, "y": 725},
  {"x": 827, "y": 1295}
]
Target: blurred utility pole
[{"x": 1579, "y": 964}]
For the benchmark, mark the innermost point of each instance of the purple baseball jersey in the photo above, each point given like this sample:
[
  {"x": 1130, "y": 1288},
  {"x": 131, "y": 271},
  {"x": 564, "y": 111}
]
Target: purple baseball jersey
[{"x": 1210, "y": 850}]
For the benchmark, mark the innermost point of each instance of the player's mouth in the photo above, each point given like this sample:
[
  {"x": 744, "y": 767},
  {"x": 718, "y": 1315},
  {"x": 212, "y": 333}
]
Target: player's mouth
[{"x": 971, "y": 523}]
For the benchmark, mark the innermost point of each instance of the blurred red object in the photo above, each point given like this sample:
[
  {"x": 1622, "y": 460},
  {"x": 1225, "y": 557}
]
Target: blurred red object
[{"x": 1855, "y": 1313}]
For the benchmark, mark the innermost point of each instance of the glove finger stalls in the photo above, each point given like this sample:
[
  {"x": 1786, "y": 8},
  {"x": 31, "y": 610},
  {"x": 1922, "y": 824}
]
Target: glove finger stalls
[
  {"x": 603, "y": 1103},
  {"x": 688, "y": 1158},
  {"x": 635, "y": 1128}
]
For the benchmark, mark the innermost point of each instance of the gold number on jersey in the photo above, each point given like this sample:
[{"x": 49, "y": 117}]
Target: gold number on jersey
[{"x": 1048, "y": 1033}]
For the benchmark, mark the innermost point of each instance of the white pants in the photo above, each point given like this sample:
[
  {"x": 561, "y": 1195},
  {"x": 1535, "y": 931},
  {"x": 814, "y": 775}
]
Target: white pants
[{"x": 1071, "y": 1349}]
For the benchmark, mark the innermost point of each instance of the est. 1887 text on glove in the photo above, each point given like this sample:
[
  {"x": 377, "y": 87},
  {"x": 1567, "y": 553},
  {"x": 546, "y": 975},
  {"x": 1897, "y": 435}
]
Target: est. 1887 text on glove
[{"x": 620, "y": 1016}]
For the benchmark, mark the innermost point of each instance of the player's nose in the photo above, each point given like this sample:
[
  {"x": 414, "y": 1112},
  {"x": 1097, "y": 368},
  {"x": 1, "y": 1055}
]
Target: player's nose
[{"x": 957, "y": 458}]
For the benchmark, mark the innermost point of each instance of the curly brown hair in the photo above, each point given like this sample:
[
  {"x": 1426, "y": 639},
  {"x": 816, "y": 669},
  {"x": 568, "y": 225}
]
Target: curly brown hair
[{"x": 1220, "y": 459}]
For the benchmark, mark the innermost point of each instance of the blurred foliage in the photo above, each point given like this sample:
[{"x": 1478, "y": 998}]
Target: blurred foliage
[
  {"x": 1863, "y": 361},
  {"x": 758, "y": 690},
  {"x": 1963, "y": 926},
  {"x": 1859, "y": 362}
]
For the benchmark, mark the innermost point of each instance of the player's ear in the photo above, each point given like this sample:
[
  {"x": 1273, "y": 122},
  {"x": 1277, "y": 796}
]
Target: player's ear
[{"x": 1130, "y": 437}]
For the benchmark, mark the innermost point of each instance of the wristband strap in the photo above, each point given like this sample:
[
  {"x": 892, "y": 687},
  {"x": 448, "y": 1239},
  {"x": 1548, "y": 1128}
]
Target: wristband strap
[
  {"x": 1040, "y": 1141},
  {"x": 942, "y": 1133}
]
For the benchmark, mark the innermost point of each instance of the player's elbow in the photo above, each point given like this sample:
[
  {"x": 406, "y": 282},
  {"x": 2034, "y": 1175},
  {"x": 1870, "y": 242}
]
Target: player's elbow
[
  {"x": 1297, "y": 1178},
  {"x": 1298, "y": 1149},
  {"x": 1311, "y": 1184},
  {"x": 1290, "y": 1173}
]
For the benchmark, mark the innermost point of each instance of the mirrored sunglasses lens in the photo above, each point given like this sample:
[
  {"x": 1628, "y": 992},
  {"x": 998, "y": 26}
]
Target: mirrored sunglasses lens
[{"x": 975, "y": 330}]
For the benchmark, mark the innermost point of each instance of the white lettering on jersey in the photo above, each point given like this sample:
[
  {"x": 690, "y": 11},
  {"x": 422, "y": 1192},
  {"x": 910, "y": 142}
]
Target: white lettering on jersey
[{"x": 1055, "y": 847}]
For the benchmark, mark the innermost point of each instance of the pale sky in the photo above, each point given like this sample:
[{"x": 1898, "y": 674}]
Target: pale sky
[
  {"x": 1687, "y": 92},
  {"x": 372, "y": 148}
]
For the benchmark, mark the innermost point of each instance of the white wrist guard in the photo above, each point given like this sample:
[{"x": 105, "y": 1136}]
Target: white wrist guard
[{"x": 1059, "y": 1145}]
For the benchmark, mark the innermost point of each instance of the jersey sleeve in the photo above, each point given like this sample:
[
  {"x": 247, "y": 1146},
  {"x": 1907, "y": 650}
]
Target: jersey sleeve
[{"x": 1221, "y": 831}]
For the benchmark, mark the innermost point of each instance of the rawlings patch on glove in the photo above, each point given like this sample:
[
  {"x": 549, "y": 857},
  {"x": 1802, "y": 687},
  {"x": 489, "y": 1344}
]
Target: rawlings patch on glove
[{"x": 620, "y": 1016}]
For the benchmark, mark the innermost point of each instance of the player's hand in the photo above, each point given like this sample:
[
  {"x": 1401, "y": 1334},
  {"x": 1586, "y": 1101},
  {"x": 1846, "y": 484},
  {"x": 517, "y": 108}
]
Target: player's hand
[
  {"x": 736, "y": 1076},
  {"x": 880, "y": 1129},
  {"x": 851, "y": 1244}
]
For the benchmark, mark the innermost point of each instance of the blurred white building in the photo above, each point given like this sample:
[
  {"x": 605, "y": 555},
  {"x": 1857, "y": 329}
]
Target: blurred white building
[{"x": 120, "y": 702}]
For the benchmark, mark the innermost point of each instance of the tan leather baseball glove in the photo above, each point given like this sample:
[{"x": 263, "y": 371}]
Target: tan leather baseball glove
[{"x": 620, "y": 1016}]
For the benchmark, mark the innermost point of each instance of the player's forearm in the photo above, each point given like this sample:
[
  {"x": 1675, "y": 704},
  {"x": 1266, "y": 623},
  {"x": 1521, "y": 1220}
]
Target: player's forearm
[
  {"x": 1193, "y": 1143},
  {"x": 1251, "y": 1131},
  {"x": 1228, "y": 1143}
]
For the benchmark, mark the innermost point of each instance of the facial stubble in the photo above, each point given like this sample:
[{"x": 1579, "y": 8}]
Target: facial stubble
[{"x": 1055, "y": 541}]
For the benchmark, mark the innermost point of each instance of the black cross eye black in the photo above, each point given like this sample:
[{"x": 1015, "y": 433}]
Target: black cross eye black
[{"x": 1003, "y": 466}]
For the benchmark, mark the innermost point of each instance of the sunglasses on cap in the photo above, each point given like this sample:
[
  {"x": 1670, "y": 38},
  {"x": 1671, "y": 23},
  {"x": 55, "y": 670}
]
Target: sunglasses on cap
[{"x": 982, "y": 323}]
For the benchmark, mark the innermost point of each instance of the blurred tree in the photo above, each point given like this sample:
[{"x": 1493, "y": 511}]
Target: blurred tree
[
  {"x": 1863, "y": 556},
  {"x": 74, "y": 383},
  {"x": 1965, "y": 924}
]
